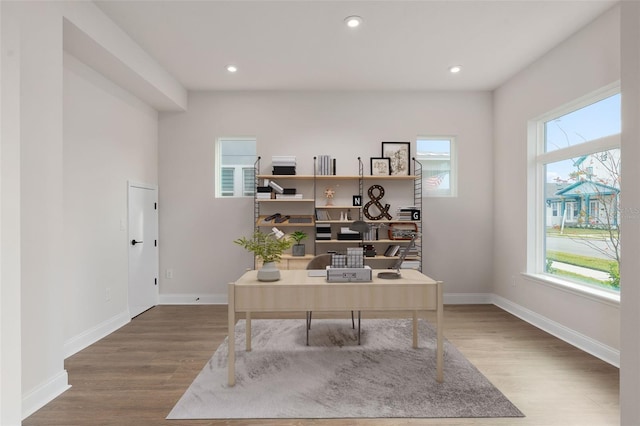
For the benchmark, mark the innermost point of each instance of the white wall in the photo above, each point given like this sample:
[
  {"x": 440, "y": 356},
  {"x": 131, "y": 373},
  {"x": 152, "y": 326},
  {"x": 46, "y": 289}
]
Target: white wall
[
  {"x": 109, "y": 137},
  {"x": 10, "y": 336},
  {"x": 630, "y": 268},
  {"x": 33, "y": 189},
  {"x": 197, "y": 230},
  {"x": 582, "y": 64}
]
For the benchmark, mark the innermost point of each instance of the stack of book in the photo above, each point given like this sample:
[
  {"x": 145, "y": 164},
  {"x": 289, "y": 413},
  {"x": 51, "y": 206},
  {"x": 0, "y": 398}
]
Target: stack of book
[
  {"x": 283, "y": 164},
  {"x": 326, "y": 165},
  {"x": 410, "y": 264},
  {"x": 347, "y": 234},
  {"x": 407, "y": 213},
  {"x": 323, "y": 231},
  {"x": 264, "y": 192}
]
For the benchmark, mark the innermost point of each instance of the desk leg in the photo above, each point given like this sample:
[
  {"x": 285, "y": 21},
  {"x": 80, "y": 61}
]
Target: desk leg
[
  {"x": 231, "y": 340},
  {"x": 440, "y": 327},
  {"x": 248, "y": 338},
  {"x": 415, "y": 329}
]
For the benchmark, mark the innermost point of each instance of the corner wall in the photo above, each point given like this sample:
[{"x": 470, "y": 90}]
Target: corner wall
[
  {"x": 587, "y": 61},
  {"x": 110, "y": 137},
  {"x": 197, "y": 229}
]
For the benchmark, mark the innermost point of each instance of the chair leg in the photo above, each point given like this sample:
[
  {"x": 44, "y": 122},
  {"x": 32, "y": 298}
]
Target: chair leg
[
  {"x": 309, "y": 319},
  {"x": 359, "y": 327},
  {"x": 353, "y": 323}
]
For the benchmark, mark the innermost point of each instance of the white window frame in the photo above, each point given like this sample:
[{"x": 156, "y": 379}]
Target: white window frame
[
  {"x": 453, "y": 167},
  {"x": 536, "y": 179},
  {"x": 238, "y": 175}
]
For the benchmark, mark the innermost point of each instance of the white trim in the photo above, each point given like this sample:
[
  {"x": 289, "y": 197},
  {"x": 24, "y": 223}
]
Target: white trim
[
  {"x": 43, "y": 394},
  {"x": 586, "y": 291},
  {"x": 131, "y": 183},
  {"x": 193, "y": 299},
  {"x": 605, "y": 143},
  {"x": 574, "y": 338},
  {"x": 583, "y": 101},
  {"x": 92, "y": 335}
]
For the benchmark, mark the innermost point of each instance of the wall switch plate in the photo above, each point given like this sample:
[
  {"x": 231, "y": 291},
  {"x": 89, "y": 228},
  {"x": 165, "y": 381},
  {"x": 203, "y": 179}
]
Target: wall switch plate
[{"x": 168, "y": 274}]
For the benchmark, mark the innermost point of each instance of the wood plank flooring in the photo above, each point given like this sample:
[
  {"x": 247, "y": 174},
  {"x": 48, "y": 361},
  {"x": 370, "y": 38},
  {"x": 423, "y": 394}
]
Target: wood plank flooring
[{"x": 135, "y": 375}]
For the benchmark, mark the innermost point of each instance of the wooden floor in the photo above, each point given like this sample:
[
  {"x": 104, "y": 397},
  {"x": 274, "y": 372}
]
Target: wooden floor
[{"x": 136, "y": 375}]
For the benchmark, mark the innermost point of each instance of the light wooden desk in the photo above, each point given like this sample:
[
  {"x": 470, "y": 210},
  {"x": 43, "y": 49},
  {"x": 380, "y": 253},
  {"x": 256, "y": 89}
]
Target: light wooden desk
[{"x": 296, "y": 291}]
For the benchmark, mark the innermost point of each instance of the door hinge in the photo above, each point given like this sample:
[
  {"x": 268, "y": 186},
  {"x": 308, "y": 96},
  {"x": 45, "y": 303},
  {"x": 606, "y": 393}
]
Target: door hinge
[{"x": 155, "y": 281}]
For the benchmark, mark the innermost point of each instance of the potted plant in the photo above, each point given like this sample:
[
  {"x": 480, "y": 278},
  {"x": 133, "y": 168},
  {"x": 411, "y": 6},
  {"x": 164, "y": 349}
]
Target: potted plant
[
  {"x": 269, "y": 249},
  {"x": 298, "y": 249}
]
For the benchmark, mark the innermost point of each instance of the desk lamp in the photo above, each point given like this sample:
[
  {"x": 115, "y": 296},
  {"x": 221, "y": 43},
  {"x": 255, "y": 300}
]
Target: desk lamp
[{"x": 394, "y": 275}]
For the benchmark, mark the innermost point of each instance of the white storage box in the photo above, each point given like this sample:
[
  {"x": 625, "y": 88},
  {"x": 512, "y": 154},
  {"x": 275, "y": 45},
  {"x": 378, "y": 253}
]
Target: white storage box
[{"x": 346, "y": 275}]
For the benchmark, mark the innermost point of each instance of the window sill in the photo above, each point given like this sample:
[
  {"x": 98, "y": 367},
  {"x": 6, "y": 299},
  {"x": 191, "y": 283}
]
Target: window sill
[{"x": 595, "y": 294}]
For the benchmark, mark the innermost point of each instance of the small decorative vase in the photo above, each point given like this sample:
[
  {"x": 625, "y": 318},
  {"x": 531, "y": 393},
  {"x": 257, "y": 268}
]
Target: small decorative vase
[
  {"x": 269, "y": 272},
  {"x": 298, "y": 250}
]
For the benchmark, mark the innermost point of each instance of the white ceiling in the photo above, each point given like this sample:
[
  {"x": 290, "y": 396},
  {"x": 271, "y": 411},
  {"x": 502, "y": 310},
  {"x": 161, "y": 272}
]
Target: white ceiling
[{"x": 304, "y": 44}]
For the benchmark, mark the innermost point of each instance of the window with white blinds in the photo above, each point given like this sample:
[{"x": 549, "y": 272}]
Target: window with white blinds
[{"x": 235, "y": 157}]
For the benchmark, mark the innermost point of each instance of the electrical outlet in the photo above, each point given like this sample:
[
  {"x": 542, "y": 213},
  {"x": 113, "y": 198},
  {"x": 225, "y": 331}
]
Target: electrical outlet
[
  {"x": 168, "y": 274},
  {"x": 513, "y": 280},
  {"x": 108, "y": 294}
]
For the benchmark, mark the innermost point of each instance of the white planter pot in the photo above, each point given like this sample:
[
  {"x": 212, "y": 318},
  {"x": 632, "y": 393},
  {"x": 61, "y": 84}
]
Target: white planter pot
[{"x": 269, "y": 272}]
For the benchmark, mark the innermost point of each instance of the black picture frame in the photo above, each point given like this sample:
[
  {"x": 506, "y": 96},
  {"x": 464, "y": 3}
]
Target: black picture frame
[
  {"x": 399, "y": 154},
  {"x": 380, "y": 166}
]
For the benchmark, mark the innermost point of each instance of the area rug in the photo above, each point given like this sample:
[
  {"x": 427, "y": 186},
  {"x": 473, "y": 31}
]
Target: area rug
[{"x": 333, "y": 377}]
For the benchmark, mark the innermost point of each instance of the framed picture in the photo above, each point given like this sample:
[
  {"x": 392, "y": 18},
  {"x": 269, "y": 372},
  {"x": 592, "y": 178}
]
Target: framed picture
[
  {"x": 399, "y": 154},
  {"x": 380, "y": 166}
]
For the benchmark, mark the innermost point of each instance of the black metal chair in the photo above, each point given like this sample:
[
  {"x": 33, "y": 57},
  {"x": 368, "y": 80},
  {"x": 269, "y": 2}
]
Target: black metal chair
[{"x": 321, "y": 261}]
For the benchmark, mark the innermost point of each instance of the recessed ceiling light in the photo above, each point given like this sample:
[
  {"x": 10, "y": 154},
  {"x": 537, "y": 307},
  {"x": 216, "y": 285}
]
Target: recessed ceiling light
[
  {"x": 455, "y": 69},
  {"x": 353, "y": 21},
  {"x": 232, "y": 68}
]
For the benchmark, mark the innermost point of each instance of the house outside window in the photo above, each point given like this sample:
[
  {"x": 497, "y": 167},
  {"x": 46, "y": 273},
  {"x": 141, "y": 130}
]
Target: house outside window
[
  {"x": 437, "y": 155},
  {"x": 576, "y": 238},
  {"x": 234, "y": 167}
]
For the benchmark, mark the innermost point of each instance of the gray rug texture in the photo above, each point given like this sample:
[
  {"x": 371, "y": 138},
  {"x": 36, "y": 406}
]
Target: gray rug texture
[{"x": 333, "y": 377}]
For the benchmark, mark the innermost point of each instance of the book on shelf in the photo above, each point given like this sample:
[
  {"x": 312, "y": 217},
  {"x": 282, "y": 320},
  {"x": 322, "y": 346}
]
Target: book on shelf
[
  {"x": 322, "y": 214},
  {"x": 277, "y": 188},
  {"x": 325, "y": 165},
  {"x": 288, "y": 196},
  {"x": 284, "y": 170},
  {"x": 263, "y": 195},
  {"x": 392, "y": 250},
  {"x": 407, "y": 213},
  {"x": 410, "y": 264},
  {"x": 262, "y": 189},
  {"x": 283, "y": 160}
]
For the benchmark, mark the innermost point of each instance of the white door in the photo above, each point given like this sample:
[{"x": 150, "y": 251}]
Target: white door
[{"x": 143, "y": 248}]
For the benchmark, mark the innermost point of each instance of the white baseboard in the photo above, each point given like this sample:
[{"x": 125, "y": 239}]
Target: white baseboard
[
  {"x": 579, "y": 340},
  {"x": 193, "y": 299},
  {"x": 44, "y": 393},
  {"x": 92, "y": 335}
]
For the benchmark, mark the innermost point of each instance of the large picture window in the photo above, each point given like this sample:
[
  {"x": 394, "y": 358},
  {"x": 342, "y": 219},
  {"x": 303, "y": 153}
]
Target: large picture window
[
  {"x": 234, "y": 167},
  {"x": 437, "y": 156},
  {"x": 577, "y": 196}
]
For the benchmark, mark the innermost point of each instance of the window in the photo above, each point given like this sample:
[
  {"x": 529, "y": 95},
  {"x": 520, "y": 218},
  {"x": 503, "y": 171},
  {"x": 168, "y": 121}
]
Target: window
[
  {"x": 235, "y": 158},
  {"x": 437, "y": 157},
  {"x": 576, "y": 176}
]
